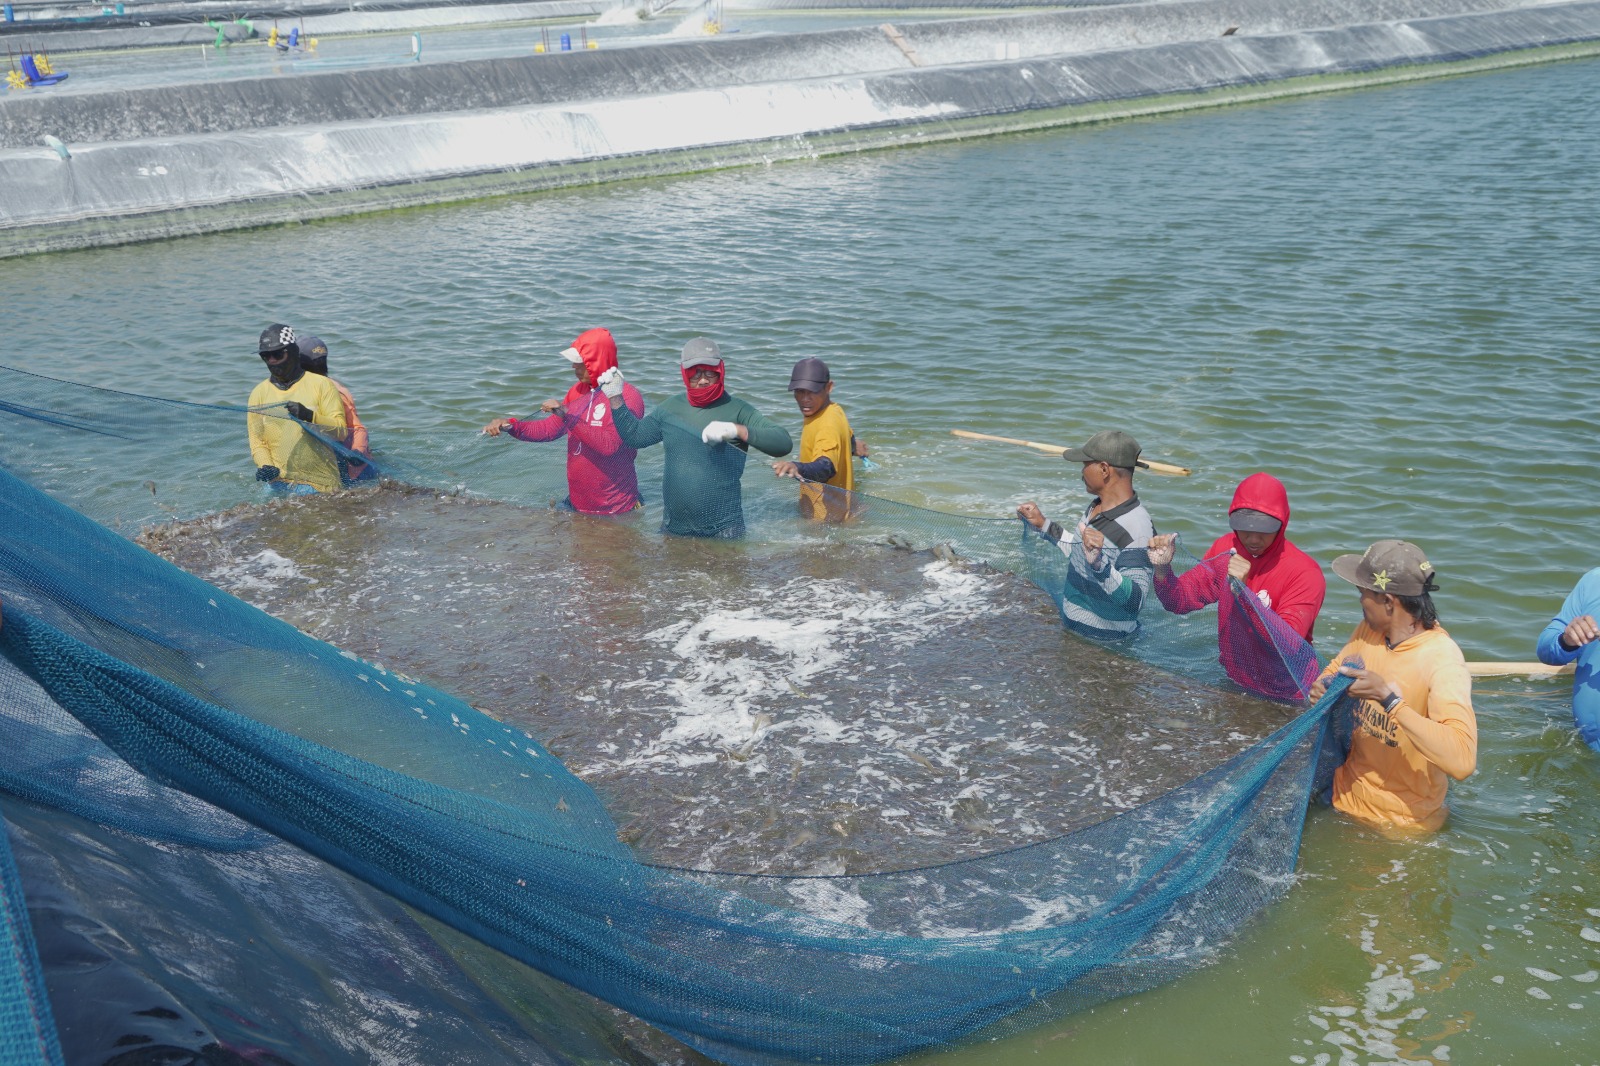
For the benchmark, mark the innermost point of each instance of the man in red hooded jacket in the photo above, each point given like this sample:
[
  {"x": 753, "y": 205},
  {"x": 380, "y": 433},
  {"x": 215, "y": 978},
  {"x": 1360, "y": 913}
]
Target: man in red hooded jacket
[
  {"x": 600, "y": 473},
  {"x": 1264, "y": 645}
]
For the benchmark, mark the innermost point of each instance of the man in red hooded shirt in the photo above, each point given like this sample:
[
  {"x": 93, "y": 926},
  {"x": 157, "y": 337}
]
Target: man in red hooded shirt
[
  {"x": 600, "y": 474},
  {"x": 1263, "y": 639}
]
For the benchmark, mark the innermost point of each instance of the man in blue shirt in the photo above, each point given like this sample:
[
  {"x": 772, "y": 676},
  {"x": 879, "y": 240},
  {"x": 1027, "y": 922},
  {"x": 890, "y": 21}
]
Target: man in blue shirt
[{"x": 1572, "y": 636}]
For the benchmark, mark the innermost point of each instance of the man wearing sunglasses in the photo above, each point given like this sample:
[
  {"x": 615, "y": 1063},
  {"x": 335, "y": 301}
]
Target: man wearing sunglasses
[{"x": 288, "y": 458}]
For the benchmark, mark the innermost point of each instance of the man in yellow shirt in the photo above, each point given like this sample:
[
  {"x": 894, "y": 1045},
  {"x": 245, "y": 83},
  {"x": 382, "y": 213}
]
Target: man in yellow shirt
[
  {"x": 826, "y": 444},
  {"x": 288, "y": 458},
  {"x": 1414, "y": 728}
]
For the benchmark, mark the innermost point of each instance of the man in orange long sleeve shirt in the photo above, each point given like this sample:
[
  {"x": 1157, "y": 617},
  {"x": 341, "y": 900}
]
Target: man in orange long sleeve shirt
[
  {"x": 1415, "y": 727},
  {"x": 314, "y": 357}
]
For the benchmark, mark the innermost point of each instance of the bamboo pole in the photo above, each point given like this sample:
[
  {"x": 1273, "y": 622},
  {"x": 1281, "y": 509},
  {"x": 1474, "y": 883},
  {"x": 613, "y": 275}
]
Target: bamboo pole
[
  {"x": 1056, "y": 449},
  {"x": 1488, "y": 669}
]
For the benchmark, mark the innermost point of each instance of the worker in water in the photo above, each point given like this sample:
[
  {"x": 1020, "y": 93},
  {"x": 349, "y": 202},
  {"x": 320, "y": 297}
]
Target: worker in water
[
  {"x": 705, "y": 434},
  {"x": 288, "y": 458},
  {"x": 314, "y": 357},
  {"x": 600, "y": 474},
  {"x": 1574, "y": 636},
  {"x": 1414, "y": 725},
  {"x": 1263, "y": 633},
  {"x": 1105, "y": 586},
  {"x": 827, "y": 446}
]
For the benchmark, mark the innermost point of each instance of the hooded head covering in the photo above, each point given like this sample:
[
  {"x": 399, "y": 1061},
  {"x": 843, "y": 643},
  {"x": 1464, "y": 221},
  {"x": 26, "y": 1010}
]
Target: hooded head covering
[
  {"x": 702, "y": 351},
  {"x": 278, "y": 337},
  {"x": 597, "y": 350},
  {"x": 1263, "y": 493}
]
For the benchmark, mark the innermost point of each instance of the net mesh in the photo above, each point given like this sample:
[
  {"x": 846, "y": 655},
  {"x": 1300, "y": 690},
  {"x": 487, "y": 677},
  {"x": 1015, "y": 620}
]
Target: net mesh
[{"x": 144, "y": 698}]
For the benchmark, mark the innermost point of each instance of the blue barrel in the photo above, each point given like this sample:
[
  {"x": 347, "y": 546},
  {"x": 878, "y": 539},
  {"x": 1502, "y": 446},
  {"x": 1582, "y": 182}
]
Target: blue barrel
[
  {"x": 11, "y": 16},
  {"x": 566, "y": 42},
  {"x": 294, "y": 37}
]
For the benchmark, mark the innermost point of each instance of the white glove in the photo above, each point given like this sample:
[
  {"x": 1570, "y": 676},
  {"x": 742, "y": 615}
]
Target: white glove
[
  {"x": 720, "y": 432},
  {"x": 611, "y": 383}
]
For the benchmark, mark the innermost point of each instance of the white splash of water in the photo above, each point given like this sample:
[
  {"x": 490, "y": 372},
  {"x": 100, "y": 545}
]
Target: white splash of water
[
  {"x": 1375, "y": 1031},
  {"x": 624, "y": 14},
  {"x": 733, "y": 659},
  {"x": 693, "y": 24},
  {"x": 264, "y": 570}
]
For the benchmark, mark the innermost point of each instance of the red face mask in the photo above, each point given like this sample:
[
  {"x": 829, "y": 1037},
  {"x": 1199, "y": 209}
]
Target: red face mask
[{"x": 705, "y": 395}]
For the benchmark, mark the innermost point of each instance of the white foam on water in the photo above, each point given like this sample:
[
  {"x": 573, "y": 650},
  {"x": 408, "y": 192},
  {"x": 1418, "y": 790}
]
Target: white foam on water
[
  {"x": 1375, "y": 1032},
  {"x": 732, "y": 660},
  {"x": 262, "y": 571},
  {"x": 830, "y": 900}
]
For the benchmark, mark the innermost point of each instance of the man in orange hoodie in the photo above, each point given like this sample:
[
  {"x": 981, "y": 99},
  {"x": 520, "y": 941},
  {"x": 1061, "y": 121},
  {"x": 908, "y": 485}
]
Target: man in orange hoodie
[
  {"x": 1414, "y": 727},
  {"x": 1264, "y": 624}
]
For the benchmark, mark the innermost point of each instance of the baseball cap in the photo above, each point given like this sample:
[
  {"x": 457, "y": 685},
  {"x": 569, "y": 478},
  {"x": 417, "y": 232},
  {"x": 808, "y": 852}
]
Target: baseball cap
[
  {"x": 1394, "y": 566},
  {"x": 1108, "y": 446},
  {"x": 274, "y": 337},
  {"x": 572, "y": 355},
  {"x": 810, "y": 374},
  {"x": 313, "y": 351},
  {"x": 1250, "y": 520},
  {"x": 702, "y": 351}
]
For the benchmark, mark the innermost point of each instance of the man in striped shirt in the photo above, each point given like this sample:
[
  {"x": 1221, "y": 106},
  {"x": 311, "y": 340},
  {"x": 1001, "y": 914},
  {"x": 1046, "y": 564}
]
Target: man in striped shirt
[{"x": 1108, "y": 568}]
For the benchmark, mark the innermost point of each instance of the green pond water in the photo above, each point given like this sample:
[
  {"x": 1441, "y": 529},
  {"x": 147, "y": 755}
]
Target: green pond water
[{"x": 1385, "y": 298}]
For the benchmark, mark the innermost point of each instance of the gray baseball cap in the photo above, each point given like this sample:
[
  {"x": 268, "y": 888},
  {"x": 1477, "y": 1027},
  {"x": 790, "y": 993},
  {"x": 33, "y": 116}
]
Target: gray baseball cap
[
  {"x": 810, "y": 374},
  {"x": 1250, "y": 520},
  {"x": 1397, "y": 567},
  {"x": 702, "y": 351},
  {"x": 1108, "y": 446}
]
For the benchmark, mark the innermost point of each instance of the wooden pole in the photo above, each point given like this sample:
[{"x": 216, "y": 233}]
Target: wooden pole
[
  {"x": 1056, "y": 449},
  {"x": 1487, "y": 669}
]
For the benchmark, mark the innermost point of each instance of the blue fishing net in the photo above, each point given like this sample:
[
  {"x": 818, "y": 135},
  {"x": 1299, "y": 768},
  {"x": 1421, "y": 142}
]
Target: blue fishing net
[
  {"x": 142, "y": 698},
  {"x": 27, "y": 1026}
]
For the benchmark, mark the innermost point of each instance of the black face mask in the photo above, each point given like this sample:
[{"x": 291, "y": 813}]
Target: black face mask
[{"x": 287, "y": 371}]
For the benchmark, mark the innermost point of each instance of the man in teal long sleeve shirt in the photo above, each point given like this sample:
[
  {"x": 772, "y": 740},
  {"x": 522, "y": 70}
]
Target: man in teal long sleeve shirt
[{"x": 706, "y": 434}]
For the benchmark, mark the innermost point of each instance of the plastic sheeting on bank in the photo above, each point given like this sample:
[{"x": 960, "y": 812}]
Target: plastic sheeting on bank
[
  {"x": 170, "y": 25},
  {"x": 196, "y": 158}
]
